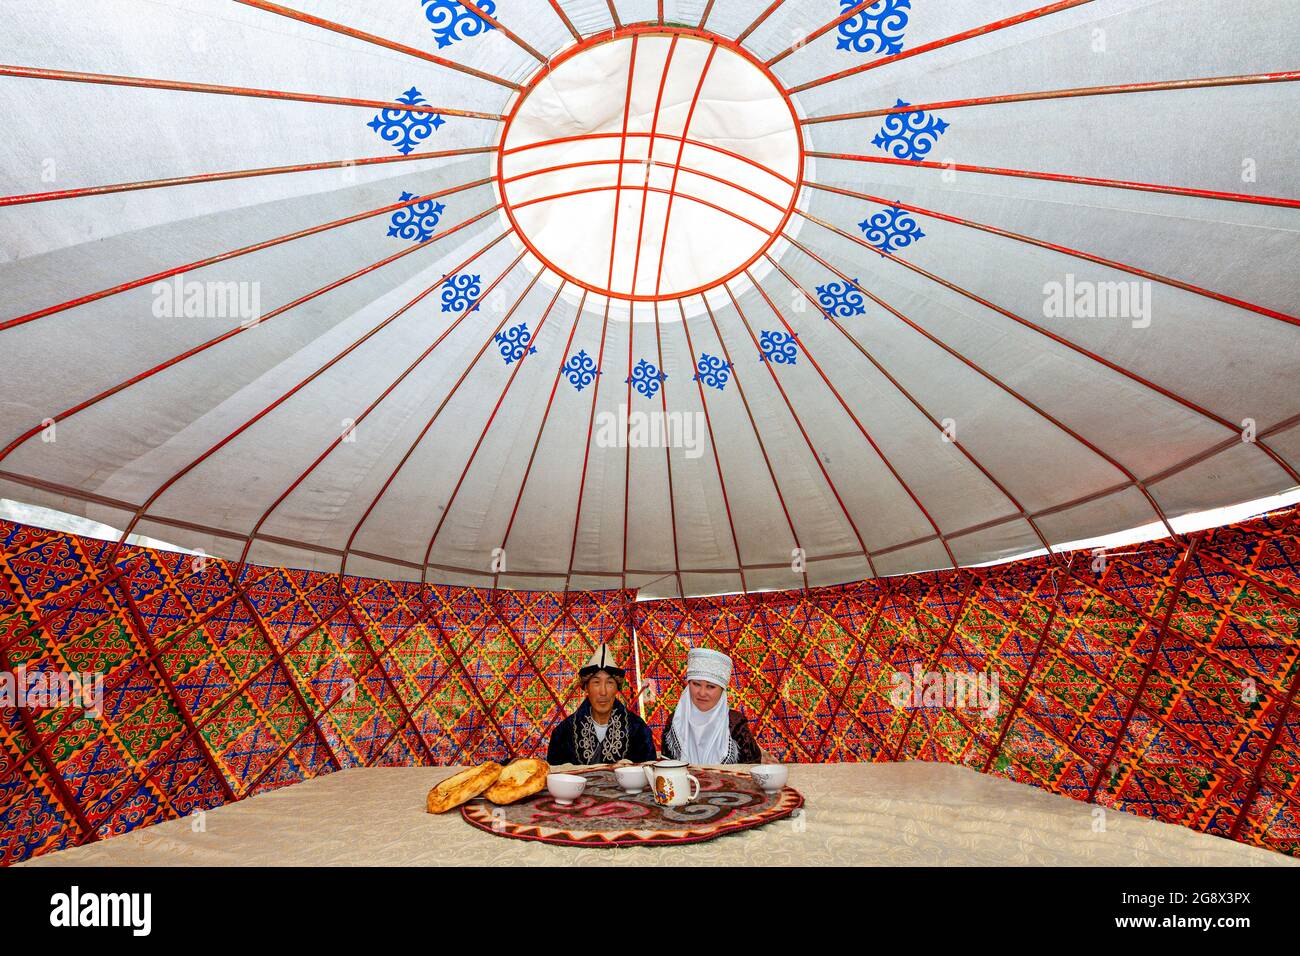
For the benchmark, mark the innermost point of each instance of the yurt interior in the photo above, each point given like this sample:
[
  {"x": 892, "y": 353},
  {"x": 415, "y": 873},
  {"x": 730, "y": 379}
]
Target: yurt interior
[{"x": 649, "y": 433}]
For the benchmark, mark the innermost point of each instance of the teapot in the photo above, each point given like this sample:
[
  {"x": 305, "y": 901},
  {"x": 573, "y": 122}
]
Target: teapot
[{"x": 669, "y": 782}]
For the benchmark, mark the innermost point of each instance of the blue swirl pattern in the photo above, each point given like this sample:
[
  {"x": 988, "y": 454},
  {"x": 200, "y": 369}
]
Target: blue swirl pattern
[
  {"x": 891, "y": 229},
  {"x": 877, "y": 29},
  {"x": 645, "y": 378},
  {"x": 712, "y": 371},
  {"x": 416, "y": 221},
  {"x": 580, "y": 370},
  {"x": 778, "y": 347},
  {"x": 403, "y": 127},
  {"x": 460, "y": 291},
  {"x": 452, "y": 22},
  {"x": 513, "y": 342},
  {"x": 843, "y": 300},
  {"x": 909, "y": 135}
]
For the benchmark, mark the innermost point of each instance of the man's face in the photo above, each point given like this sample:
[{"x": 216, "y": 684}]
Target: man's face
[
  {"x": 704, "y": 695},
  {"x": 601, "y": 691}
]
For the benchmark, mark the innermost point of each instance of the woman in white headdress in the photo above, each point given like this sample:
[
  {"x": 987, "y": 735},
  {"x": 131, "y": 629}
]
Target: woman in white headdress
[{"x": 704, "y": 729}]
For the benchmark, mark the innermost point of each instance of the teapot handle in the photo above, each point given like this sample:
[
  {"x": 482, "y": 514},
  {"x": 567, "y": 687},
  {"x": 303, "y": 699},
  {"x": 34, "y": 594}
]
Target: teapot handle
[{"x": 695, "y": 780}]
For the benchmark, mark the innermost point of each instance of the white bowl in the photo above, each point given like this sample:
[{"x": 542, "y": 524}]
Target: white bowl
[
  {"x": 631, "y": 779},
  {"x": 565, "y": 787},
  {"x": 770, "y": 776}
]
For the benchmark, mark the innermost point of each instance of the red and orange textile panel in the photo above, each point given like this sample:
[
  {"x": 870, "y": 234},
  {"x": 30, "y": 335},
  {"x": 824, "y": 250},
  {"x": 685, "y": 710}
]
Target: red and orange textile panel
[{"x": 1159, "y": 679}]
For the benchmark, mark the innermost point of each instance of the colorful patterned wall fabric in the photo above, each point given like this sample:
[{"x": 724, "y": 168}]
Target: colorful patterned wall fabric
[{"x": 1160, "y": 680}]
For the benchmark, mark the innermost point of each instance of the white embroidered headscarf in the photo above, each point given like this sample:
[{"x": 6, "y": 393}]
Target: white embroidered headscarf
[{"x": 704, "y": 735}]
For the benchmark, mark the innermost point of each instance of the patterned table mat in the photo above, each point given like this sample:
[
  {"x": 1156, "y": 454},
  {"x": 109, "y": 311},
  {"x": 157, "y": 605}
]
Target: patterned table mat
[{"x": 605, "y": 816}]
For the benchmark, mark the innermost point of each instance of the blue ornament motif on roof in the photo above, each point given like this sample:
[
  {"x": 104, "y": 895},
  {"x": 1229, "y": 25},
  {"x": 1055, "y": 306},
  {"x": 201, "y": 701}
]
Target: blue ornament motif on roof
[
  {"x": 580, "y": 370},
  {"x": 460, "y": 291},
  {"x": 841, "y": 299},
  {"x": 909, "y": 135},
  {"x": 513, "y": 342},
  {"x": 877, "y": 29},
  {"x": 452, "y": 22},
  {"x": 645, "y": 378},
  {"x": 778, "y": 347},
  {"x": 416, "y": 221},
  {"x": 712, "y": 371},
  {"x": 404, "y": 127},
  {"x": 891, "y": 229}
]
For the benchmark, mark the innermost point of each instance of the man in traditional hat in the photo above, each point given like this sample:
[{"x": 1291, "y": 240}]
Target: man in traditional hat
[
  {"x": 703, "y": 729},
  {"x": 602, "y": 730}
]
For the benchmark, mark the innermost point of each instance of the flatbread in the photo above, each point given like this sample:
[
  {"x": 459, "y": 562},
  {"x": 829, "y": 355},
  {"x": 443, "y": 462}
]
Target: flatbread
[
  {"x": 523, "y": 778},
  {"x": 463, "y": 786}
]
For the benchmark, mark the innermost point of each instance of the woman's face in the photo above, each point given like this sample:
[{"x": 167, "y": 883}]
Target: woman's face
[{"x": 704, "y": 695}]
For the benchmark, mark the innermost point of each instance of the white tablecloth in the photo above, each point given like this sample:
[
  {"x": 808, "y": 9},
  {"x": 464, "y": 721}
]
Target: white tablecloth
[{"x": 892, "y": 814}]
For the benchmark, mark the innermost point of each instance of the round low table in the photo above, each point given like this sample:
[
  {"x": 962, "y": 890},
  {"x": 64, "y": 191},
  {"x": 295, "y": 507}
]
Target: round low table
[{"x": 605, "y": 816}]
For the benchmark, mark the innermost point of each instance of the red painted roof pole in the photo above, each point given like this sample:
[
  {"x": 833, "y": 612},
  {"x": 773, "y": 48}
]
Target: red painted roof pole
[
  {"x": 1015, "y": 503},
  {"x": 285, "y": 396},
  {"x": 713, "y": 444},
  {"x": 1065, "y": 178},
  {"x": 1064, "y": 250},
  {"x": 631, "y": 322},
  {"x": 618, "y": 24},
  {"x": 451, "y": 500},
  {"x": 767, "y": 12},
  {"x": 178, "y": 86},
  {"x": 1061, "y": 340},
  {"x": 812, "y": 450},
  {"x": 586, "y": 453},
  {"x": 677, "y": 168},
  {"x": 852, "y": 416},
  {"x": 505, "y": 31},
  {"x": 668, "y": 461},
  {"x": 753, "y": 424},
  {"x": 233, "y": 174},
  {"x": 377, "y": 40},
  {"x": 541, "y": 427},
  {"x": 210, "y": 260},
  {"x": 564, "y": 18},
  {"x": 1160, "y": 514},
  {"x": 609, "y": 283},
  {"x": 231, "y": 333},
  {"x": 799, "y": 44},
  {"x": 378, "y": 400},
  {"x": 310, "y": 547},
  {"x": 1288, "y": 76},
  {"x": 946, "y": 41}
]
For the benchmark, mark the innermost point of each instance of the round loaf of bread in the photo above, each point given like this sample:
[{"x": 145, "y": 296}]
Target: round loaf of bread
[
  {"x": 523, "y": 778},
  {"x": 463, "y": 786}
]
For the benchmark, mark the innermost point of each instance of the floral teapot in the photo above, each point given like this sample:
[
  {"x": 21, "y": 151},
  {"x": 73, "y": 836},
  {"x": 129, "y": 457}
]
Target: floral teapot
[{"x": 669, "y": 782}]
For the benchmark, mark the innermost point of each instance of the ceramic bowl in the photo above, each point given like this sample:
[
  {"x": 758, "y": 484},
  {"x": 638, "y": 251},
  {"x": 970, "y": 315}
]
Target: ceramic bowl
[
  {"x": 565, "y": 787},
  {"x": 770, "y": 776},
  {"x": 631, "y": 779}
]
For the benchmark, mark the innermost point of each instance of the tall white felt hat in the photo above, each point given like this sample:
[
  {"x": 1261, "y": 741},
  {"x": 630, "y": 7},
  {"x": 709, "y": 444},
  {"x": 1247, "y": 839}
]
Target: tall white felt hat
[
  {"x": 601, "y": 660},
  {"x": 709, "y": 665}
]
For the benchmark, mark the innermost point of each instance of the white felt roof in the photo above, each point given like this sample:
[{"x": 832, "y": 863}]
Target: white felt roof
[{"x": 1065, "y": 426}]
